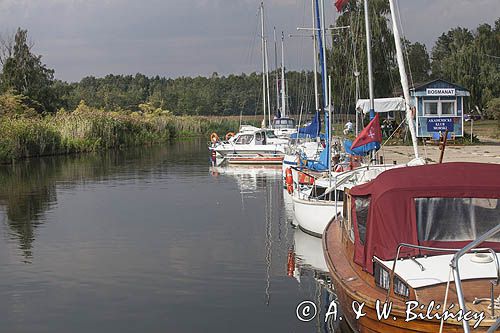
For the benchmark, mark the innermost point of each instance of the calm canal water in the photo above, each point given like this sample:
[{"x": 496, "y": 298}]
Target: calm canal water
[{"x": 151, "y": 240}]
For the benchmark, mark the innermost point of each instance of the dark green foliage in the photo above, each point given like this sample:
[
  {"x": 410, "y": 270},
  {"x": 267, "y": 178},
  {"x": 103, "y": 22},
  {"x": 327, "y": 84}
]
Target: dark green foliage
[
  {"x": 471, "y": 59},
  {"x": 349, "y": 52},
  {"x": 200, "y": 96},
  {"x": 417, "y": 62},
  {"x": 493, "y": 109},
  {"x": 25, "y": 74}
]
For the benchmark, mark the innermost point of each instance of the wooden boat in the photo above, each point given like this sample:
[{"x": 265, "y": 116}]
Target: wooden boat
[{"x": 400, "y": 235}]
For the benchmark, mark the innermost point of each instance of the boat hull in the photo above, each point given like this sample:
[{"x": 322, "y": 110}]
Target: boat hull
[
  {"x": 314, "y": 215},
  {"x": 351, "y": 288},
  {"x": 309, "y": 250},
  {"x": 225, "y": 149}
]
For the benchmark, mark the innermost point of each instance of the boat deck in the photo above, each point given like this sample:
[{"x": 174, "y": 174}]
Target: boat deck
[{"x": 353, "y": 284}]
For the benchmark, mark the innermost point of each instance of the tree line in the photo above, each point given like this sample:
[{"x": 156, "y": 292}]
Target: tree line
[{"x": 470, "y": 58}]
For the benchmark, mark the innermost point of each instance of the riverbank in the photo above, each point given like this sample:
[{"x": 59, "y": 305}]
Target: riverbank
[{"x": 88, "y": 129}]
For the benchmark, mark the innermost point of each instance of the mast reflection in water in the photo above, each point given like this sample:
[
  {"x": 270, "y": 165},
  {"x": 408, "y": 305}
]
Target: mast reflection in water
[{"x": 148, "y": 240}]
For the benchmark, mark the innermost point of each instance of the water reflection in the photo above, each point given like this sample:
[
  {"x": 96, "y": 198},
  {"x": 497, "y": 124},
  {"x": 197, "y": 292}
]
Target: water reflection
[
  {"x": 28, "y": 188},
  {"x": 302, "y": 253},
  {"x": 150, "y": 239}
]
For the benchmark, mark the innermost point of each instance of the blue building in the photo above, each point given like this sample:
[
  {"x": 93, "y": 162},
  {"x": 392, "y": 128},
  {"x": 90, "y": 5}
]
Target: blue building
[{"x": 439, "y": 106}]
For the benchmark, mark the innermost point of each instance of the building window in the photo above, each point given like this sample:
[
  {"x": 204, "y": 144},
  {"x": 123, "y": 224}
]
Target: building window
[
  {"x": 430, "y": 108},
  {"x": 440, "y": 108},
  {"x": 448, "y": 108}
]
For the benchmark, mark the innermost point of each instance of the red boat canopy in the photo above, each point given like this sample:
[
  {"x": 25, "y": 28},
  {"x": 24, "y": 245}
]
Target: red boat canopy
[{"x": 440, "y": 205}]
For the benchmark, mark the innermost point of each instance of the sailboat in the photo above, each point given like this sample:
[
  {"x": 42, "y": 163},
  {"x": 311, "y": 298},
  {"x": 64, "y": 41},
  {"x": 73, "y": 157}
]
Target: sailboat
[
  {"x": 307, "y": 144},
  {"x": 282, "y": 124},
  {"x": 421, "y": 242},
  {"x": 316, "y": 205},
  {"x": 252, "y": 145}
]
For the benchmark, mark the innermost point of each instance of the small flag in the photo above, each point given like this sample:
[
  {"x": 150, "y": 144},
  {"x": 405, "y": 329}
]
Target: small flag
[
  {"x": 371, "y": 133},
  {"x": 340, "y": 4}
]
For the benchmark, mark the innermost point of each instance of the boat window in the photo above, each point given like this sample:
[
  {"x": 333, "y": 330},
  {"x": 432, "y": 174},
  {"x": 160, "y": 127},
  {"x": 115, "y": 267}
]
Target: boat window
[
  {"x": 347, "y": 216},
  {"x": 456, "y": 219},
  {"x": 244, "y": 139},
  {"x": 362, "y": 204},
  {"x": 284, "y": 123},
  {"x": 271, "y": 135}
]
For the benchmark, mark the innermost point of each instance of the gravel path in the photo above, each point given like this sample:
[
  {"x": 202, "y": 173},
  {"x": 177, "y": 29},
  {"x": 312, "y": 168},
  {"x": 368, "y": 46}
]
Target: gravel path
[{"x": 478, "y": 153}]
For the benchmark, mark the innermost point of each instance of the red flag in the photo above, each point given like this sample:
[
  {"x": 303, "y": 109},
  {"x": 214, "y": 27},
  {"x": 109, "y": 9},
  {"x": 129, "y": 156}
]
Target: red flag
[
  {"x": 340, "y": 4},
  {"x": 371, "y": 133}
]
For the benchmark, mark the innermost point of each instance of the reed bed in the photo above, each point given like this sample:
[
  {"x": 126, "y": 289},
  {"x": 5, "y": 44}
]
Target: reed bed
[{"x": 88, "y": 129}]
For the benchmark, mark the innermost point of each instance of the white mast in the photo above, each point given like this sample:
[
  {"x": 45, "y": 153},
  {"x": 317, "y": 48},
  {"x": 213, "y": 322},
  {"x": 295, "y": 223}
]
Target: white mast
[
  {"x": 276, "y": 68},
  {"x": 356, "y": 74},
  {"x": 263, "y": 61},
  {"x": 283, "y": 91},
  {"x": 323, "y": 38},
  {"x": 267, "y": 86},
  {"x": 369, "y": 54},
  {"x": 315, "y": 72},
  {"x": 404, "y": 78}
]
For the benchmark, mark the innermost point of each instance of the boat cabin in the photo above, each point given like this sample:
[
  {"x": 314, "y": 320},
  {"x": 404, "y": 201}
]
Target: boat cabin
[
  {"x": 440, "y": 205},
  {"x": 439, "y": 107},
  {"x": 259, "y": 137},
  {"x": 407, "y": 234},
  {"x": 282, "y": 123}
]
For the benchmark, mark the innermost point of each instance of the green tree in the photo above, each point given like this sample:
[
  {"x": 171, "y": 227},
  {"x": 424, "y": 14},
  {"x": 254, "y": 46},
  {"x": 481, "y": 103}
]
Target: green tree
[
  {"x": 470, "y": 58},
  {"x": 417, "y": 62},
  {"x": 349, "y": 52},
  {"x": 24, "y": 73}
]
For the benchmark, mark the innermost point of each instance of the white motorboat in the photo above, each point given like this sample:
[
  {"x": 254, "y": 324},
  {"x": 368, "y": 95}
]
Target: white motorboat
[{"x": 250, "y": 141}]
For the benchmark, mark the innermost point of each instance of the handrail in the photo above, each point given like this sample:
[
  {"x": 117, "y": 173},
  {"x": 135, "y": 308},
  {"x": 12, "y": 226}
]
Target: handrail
[
  {"x": 494, "y": 327},
  {"x": 299, "y": 170},
  {"x": 434, "y": 249},
  {"x": 456, "y": 274}
]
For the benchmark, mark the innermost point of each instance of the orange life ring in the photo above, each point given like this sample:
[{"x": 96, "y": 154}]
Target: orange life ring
[
  {"x": 289, "y": 180},
  {"x": 214, "y": 137},
  {"x": 229, "y": 135},
  {"x": 353, "y": 162},
  {"x": 305, "y": 179}
]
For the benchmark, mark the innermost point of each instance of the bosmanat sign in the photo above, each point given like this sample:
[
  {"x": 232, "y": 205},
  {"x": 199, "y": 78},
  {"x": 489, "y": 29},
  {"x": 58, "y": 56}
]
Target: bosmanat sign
[{"x": 440, "y": 91}]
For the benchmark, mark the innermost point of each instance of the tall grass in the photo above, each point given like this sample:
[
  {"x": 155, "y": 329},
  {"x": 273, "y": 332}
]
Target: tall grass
[{"x": 88, "y": 129}]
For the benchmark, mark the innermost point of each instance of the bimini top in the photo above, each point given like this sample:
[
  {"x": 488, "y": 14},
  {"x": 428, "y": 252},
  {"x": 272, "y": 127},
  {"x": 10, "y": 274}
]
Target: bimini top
[{"x": 439, "y": 205}]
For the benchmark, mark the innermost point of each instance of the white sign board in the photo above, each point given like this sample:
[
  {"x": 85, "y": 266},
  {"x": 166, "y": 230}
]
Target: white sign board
[{"x": 440, "y": 92}]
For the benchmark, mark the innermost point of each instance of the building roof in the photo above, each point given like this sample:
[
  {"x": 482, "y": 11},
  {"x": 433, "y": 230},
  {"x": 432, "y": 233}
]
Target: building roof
[
  {"x": 436, "y": 82},
  {"x": 420, "y": 86}
]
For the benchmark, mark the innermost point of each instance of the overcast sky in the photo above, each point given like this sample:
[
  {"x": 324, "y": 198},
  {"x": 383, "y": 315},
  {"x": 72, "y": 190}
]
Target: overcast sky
[{"x": 195, "y": 37}]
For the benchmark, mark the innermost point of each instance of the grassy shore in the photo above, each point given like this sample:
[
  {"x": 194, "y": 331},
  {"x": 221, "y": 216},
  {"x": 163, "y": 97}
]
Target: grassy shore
[{"x": 87, "y": 129}]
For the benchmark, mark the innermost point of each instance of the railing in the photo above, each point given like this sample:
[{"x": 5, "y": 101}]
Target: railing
[
  {"x": 454, "y": 265},
  {"x": 458, "y": 283}
]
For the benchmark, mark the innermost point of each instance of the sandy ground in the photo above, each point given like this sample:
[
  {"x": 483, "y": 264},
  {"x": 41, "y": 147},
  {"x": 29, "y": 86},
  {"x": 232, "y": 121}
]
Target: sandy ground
[{"x": 477, "y": 153}]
